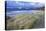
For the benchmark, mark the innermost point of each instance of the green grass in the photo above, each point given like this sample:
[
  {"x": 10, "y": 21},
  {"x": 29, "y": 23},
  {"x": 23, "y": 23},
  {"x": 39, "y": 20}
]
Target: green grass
[{"x": 24, "y": 21}]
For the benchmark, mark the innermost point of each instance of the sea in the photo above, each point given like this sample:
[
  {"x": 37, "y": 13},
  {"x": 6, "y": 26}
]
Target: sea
[{"x": 15, "y": 12}]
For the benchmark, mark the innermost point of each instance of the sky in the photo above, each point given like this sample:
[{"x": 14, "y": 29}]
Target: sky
[
  {"x": 20, "y": 4},
  {"x": 41, "y": 1}
]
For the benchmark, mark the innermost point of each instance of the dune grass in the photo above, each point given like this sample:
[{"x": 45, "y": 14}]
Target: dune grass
[{"x": 24, "y": 21}]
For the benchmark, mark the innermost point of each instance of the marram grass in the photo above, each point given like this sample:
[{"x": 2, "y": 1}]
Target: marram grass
[{"x": 23, "y": 21}]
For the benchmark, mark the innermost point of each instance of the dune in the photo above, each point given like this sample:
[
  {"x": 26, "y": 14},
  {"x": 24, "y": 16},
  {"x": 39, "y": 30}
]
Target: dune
[{"x": 25, "y": 21}]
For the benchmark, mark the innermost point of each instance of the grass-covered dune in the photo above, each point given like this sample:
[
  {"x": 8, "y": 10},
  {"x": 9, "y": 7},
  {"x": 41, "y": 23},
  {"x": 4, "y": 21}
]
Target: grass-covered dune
[{"x": 24, "y": 21}]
